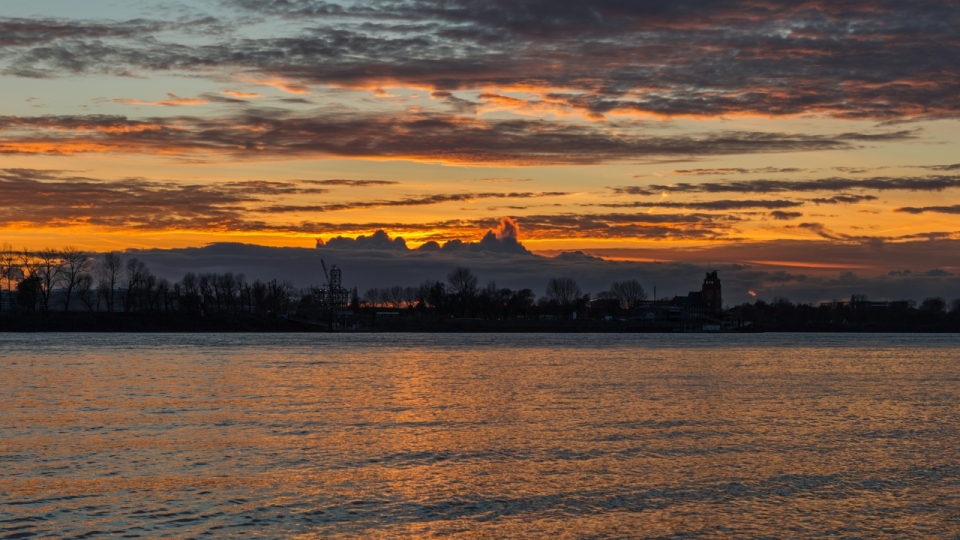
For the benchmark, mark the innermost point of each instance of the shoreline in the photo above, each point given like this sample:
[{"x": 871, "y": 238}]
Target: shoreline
[{"x": 155, "y": 323}]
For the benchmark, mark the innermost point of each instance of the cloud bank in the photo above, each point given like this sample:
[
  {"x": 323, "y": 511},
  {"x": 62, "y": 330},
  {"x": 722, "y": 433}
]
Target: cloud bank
[
  {"x": 883, "y": 60},
  {"x": 418, "y": 136},
  {"x": 370, "y": 264}
]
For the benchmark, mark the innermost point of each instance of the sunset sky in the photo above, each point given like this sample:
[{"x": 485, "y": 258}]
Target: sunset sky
[{"x": 772, "y": 132}]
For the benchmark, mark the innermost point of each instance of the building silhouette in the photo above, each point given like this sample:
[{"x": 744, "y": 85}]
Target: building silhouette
[{"x": 710, "y": 295}]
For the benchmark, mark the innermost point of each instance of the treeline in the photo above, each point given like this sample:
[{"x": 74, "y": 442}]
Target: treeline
[
  {"x": 60, "y": 279},
  {"x": 858, "y": 314},
  {"x": 462, "y": 296},
  {"x": 72, "y": 280}
]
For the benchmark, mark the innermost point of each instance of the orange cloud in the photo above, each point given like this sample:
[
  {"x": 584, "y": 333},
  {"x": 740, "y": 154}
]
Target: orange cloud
[
  {"x": 415, "y": 136},
  {"x": 242, "y": 95},
  {"x": 284, "y": 85},
  {"x": 172, "y": 101}
]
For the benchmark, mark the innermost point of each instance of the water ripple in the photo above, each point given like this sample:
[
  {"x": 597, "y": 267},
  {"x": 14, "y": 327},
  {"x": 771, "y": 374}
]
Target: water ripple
[{"x": 517, "y": 436}]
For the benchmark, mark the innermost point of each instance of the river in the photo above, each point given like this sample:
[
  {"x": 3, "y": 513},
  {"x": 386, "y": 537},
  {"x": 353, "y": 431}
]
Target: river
[{"x": 479, "y": 436}]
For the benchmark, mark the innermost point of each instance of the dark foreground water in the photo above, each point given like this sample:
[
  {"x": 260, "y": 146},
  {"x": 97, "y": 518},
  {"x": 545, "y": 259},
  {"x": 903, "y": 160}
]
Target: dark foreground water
[{"x": 491, "y": 436}]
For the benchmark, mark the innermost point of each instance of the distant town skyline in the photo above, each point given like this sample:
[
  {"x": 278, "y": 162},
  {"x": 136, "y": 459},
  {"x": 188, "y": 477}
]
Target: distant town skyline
[{"x": 813, "y": 136}]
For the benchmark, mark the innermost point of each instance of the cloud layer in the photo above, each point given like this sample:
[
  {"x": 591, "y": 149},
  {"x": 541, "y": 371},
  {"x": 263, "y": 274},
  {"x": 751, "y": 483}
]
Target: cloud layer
[
  {"x": 61, "y": 199},
  {"x": 886, "y": 59},
  {"x": 265, "y": 134},
  {"x": 601, "y": 92},
  {"x": 363, "y": 267},
  {"x": 935, "y": 183}
]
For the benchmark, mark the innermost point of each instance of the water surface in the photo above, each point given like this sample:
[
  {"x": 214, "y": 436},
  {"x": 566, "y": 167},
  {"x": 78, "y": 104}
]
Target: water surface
[{"x": 479, "y": 436}]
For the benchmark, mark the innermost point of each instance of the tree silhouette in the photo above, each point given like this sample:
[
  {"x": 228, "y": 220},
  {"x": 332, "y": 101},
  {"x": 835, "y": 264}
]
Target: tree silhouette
[
  {"x": 433, "y": 294},
  {"x": 463, "y": 282},
  {"x": 48, "y": 266},
  {"x": 9, "y": 271},
  {"x": 108, "y": 277},
  {"x": 629, "y": 293},
  {"x": 136, "y": 276},
  {"x": 74, "y": 267},
  {"x": 564, "y": 291},
  {"x": 29, "y": 293},
  {"x": 464, "y": 286},
  {"x": 372, "y": 297},
  {"x": 934, "y": 306},
  {"x": 86, "y": 293}
]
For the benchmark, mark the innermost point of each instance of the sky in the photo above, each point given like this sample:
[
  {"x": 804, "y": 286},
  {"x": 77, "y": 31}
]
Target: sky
[{"x": 805, "y": 136}]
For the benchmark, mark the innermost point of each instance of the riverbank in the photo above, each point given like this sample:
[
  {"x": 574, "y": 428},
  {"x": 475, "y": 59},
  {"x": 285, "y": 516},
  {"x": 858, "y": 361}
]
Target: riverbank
[
  {"x": 219, "y": 322},
  {"x": 148, "y": 323},
  {"x": 247, "y": 323}
]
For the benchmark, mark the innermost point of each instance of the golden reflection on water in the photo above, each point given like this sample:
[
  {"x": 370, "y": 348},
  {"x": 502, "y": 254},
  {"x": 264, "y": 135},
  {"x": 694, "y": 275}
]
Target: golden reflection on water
[{"x": 479, "y": 436}]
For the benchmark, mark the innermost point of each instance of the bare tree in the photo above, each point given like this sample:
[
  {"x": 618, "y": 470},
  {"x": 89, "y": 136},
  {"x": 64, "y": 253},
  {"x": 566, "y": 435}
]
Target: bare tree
[
  {"x": 423, "y": 293},
  {"x": 29, "y": 270},
  {"x": 190, "y": 284},
  {"x": 205, "y": 287},
  {"x": 629, "y": 293},
  {"x": 396, "y": 296},
  {"x": 410, "y": 296},
  {"x": 136, "y": 279},
  {"x": 9, "y": 271},
  {"x": 157, "y": 292},
  {"x": 188, "y": 295},
  {"x": 279, "y": 296},
  {"x": 108, "y": 277},
  {"x": 75, "y": 266},
  {"x": 226, "y": 290},
  {"x": 258, "y": 296},
  {"x": 383, "y": 297},
  {"x": 215, "y": 286},
  {"x": 85, "y": 292},
  {"x": 372, "y": 297},
  {"x": 463, "y": 282},
  {"x": 243, "y": 292},
  {"x": 49, "y": 265},
  {"x": 563, "y": 291}
]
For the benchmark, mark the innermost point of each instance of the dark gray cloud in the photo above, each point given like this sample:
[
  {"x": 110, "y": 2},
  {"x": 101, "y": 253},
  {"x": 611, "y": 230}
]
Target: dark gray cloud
[
  {"x": 22, "y": 32},
  {"x": 49, "y": 47},
  {"x": 813, "y": 256},
  {"x": 737, "y": 170},
  {"x": 943, "y": 168},
  {"x": 350, "y": 183},
  {"x": 724, "y": 205},
  {"x": 858, "y": 170},
  {"x": 273, "y": 134},
  {"x": 844, "y": 198},
  {"x": 629, "y": 225},
  {"x": 872, "y": 241},
  {"x": 363, "y": 268},
  {"x": 887, "y": 59},
  {"x": 407, "y": 201},
  {"x": 380, "y": 240},
  {"x": 460, "y": 105},
  {"x": 52, "y": 198},
  {"x": 785, "y": 216},
  {"x": 955, "y": 209},
  {"x": 925, "y": 183}
]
